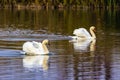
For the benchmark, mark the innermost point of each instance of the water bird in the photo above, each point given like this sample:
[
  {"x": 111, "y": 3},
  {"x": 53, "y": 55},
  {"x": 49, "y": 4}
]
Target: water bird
[
  {"x": 35, "y": 48},
  {"x": 83, "y": 34},
  {"x": 83, "y": 40}
]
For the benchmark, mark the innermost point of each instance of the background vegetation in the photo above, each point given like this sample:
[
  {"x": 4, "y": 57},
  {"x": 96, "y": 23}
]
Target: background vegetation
[{"x": 59, "y": 3}]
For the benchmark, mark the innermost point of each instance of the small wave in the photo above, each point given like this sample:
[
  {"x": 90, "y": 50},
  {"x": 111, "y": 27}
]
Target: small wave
[{"x": 10, "y": 53}]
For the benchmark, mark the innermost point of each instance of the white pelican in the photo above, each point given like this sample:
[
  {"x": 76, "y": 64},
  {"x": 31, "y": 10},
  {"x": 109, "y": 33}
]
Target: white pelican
[
  {"x": 35, "y": 48},
  {"x": 83, "y": 34}
]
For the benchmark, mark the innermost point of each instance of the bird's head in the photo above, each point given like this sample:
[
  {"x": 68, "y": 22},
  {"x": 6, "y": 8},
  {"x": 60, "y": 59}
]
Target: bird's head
[
  {"x": 93, "y": 28},
  {"x": 45, "y": 41}
]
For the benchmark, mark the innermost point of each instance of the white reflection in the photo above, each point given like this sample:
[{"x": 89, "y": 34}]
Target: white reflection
[
  {"x": 36, "y": 62},
  {"x": 84, "y": 45}
]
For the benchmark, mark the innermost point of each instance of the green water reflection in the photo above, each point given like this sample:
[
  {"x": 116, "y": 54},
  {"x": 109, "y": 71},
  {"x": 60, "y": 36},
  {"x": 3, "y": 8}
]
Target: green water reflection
[{"x": 59, "y": 21}]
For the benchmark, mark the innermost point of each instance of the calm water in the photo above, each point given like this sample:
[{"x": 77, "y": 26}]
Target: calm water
[{"x": 98, "y": 60}]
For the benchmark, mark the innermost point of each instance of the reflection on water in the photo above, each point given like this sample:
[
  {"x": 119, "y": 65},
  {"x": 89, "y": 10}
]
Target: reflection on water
[
  {"x": 84, "y": 45},
  {"x": 36, "y": 62},
  {"x": 77, "y": 67},
  {"x": 99, "y": 59}
]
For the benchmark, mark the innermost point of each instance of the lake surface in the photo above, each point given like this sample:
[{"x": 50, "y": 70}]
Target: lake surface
[{"x": 97, "y": 60}]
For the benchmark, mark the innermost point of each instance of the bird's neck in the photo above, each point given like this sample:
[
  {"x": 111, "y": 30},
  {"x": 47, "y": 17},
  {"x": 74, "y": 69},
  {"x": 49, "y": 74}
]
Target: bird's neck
[
  {"x": 92, "y": 45},
  {"x": 93, "y": 34},
  {"x": 45, "y": 49}
]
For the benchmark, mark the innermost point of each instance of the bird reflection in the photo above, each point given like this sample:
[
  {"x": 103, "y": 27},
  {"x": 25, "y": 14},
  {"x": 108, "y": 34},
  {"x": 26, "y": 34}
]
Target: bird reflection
[
  {"x": 84, "y": 45},
  {"x": 36, "y": 62}
]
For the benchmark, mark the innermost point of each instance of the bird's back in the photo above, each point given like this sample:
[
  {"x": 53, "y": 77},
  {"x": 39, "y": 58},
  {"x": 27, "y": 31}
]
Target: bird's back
[
  {"x": 33, "y": 48},
  {"x": 81, "y": 32}
]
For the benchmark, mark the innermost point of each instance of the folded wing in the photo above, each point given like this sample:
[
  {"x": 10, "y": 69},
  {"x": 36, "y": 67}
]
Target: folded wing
[{"x": 81, "y": 32}]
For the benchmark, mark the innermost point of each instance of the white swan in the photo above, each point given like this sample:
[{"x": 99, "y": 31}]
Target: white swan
[
  {"x": 36, "y": 62},
  {"x": 83, "y": 34},
  {"x": 34, "y": 48}
]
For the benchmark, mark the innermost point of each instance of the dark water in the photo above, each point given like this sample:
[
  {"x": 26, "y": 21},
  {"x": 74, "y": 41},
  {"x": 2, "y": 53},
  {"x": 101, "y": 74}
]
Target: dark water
[{"x": 98, "y": 60}]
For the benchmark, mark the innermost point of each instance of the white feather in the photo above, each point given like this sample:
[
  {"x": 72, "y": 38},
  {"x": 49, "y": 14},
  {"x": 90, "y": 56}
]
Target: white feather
[
  {"x": 81, "y": 32},
  {"x": 33, "y": 48}
]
